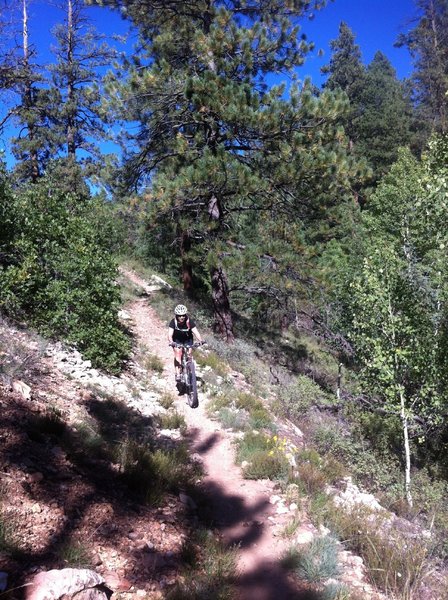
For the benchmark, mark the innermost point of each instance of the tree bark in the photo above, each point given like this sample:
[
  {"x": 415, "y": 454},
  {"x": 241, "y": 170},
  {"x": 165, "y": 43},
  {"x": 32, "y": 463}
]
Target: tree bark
[
  {"x": 407, "y": 450},
  {"x": 28, "y": 99},
  {"x": 221, "y": 305},
  {"x": 187, "y": 269},
  {"x": 71, "y": 146}
]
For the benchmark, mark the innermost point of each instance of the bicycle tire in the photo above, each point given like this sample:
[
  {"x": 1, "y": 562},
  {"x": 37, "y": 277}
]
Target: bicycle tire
[{"x": 192, "y": 388}]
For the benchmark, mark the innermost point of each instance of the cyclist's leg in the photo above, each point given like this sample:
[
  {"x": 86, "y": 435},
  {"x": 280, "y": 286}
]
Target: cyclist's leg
[{"x": 177, "y": 362}]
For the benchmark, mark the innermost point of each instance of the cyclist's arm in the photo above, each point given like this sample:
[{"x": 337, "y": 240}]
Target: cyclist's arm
[
  {"x": 170, "y": 334},
  {"x": 196, "y": 334}
]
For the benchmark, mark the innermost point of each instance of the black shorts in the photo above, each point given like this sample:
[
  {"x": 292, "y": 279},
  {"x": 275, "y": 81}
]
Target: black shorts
[{"x": 187, "y": 342}]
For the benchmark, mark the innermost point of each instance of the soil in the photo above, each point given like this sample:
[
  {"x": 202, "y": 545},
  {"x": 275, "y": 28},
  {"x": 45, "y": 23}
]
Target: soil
[{"x": 57, "y": 503}]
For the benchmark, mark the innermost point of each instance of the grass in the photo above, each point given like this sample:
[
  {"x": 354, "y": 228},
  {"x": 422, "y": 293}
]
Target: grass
[
  {"x": 291, "y": 527},
  {"x": 212, "y": 360},
  {"x": 240, "y": 411},
  {"x": 210, "y": 570},
  {"x": 315, "y": 563},
  {"x": 17, "y": 358},
  {"x": 171, "y": 420},
  {"x": 49, "y": 423},
  {"x": 396, "y": 561},
  {"x": 235, "y": 419},
  {"x": 152, "y": 362},
  {"x": 166, "y": 400},
  {"x": 75, "y": 555},
  {"x": 150, "y": 474},
  {"x": 8, "y": 542}
]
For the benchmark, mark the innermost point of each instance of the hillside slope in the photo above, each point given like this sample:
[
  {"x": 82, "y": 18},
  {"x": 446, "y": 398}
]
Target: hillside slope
[{"x": 72, "y": 497}]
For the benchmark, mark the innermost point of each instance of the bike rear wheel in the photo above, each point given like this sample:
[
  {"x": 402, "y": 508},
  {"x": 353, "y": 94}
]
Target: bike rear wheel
[{"x": 192, "y": 389}]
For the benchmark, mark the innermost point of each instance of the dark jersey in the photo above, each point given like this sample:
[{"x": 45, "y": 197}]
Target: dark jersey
[{"x": 182, "y": 331}]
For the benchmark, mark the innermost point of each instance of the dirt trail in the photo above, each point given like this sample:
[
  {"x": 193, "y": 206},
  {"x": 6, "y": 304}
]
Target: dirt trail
[{"x": 238, "y": 508}]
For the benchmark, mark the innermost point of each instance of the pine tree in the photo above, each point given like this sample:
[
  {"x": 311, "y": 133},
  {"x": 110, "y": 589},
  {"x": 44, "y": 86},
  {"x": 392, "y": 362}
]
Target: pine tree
[
  {"x": 213, "y": 143},
  {"x": 346, "y": 72},
  {"x": 379, "y": 118},
  {"x": 384, "y": 125},
  {"x": 428, "y": 45},
  {"x": 31, "y": 147},
  {"x": 76, "y": 96}
]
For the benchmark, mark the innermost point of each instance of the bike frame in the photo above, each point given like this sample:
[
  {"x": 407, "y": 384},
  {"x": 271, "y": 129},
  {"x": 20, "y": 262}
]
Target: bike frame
[{"x": 188, "y": 371}]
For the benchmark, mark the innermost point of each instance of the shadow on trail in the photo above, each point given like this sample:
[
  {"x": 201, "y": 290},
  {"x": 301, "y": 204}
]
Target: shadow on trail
[
  {"x": 207, "y": 444},
  {"x": 71, "y": 467},
  {"x": 241, "y": 522}
]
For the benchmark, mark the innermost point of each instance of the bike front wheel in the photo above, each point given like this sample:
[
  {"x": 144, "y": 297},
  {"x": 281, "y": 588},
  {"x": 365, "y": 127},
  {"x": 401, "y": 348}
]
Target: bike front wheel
[{"x": 192, "y": 388}]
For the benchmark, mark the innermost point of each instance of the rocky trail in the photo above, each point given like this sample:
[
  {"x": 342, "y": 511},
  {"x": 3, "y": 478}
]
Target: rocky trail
[
  {"x": 61, "y": 507},
  {"x": 241, "y": 510},
  {"x": 248, "y": 514}
]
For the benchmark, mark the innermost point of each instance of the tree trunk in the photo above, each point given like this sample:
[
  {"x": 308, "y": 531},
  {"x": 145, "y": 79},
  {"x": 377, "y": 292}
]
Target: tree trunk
[
  {"x": 71, "y": 145},
  {"x": 407, "y": 451},
  {"x": 221, "y": 305},
  {"x": 28, "y": 99},
  {"x": 187, "y": 269}
]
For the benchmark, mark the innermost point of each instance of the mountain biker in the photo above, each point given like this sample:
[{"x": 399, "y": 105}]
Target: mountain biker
[{"x": 181, "y": 330}]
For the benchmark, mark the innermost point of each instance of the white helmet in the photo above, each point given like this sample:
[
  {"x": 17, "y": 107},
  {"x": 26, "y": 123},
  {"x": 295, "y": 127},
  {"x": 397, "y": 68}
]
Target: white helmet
[{"x": 180, "y": 310}]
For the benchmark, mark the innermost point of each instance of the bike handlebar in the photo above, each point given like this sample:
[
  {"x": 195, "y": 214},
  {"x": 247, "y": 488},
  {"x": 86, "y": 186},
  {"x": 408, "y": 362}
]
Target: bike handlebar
[{"x": 194, "y": 345}]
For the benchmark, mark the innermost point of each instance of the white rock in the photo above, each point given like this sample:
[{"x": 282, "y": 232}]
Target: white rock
[
  {"x": 124, "y": 315},
  {"x": 20, "y": 387},
  {"x": 282, "y": 509},
  {"x": 52, "y": 585},
  {"x": 304, "y": 537}
]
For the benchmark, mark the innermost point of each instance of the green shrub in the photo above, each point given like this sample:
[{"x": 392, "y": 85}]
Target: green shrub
[
  {"x": 233, "y": 419},
  {"x": 57, "y": 270},
  {"x": 264, "y": 465},
  {"x": 297, "y": 397},
  {"x": 251, "y": 443},
  {"x": 264, "y": 455},
  {"x": 315, "y": 472},
  {"x": 212, "y": 360},
  {"x": 376, "y": 471}
]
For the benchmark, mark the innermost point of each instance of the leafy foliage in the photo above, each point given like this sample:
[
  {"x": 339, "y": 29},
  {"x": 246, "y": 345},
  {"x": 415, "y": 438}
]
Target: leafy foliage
[{"x": 57, "y": 271}]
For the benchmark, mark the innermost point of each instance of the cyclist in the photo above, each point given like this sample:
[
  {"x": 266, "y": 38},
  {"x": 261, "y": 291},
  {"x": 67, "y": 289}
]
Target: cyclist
[{"x": 181, "y": 330}]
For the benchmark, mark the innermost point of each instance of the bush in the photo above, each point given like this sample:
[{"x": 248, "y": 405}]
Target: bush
[
  {"x": 266, "y": 466},
  {"x": 297, "y": 397},
  {"x": 265, "y": 455},
  {"x": 376, "y": 471},
  {"x": 57, "y": 271},
  {"x": 212, "y": 360}
]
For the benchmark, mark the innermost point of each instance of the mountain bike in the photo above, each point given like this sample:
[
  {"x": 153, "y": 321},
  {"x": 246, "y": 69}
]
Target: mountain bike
[{"x": 188, "y": 372}]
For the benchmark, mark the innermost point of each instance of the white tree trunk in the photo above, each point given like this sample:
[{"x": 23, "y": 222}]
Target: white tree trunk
[{"x": 407, "y": 451}]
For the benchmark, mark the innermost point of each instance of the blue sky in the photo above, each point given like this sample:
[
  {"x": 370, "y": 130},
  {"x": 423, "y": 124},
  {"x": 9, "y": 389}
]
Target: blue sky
[{"x": 375, "y": 23}]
